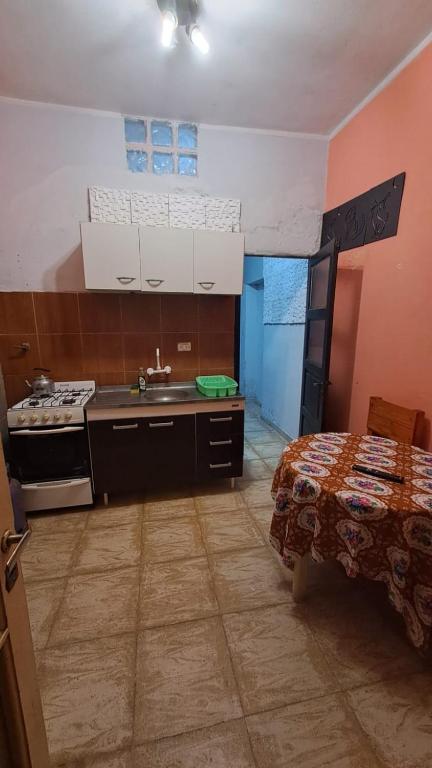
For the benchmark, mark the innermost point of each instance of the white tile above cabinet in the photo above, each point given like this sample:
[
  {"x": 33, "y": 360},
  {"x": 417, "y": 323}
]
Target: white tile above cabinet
[
  {"x": 166, "y": 260},
  {"x": 218, "y": 262},
  {"x": 111, "y": 256}
]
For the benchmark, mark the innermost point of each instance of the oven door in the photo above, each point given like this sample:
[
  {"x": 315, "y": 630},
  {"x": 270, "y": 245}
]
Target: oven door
[{"x": 50, "y": 453}]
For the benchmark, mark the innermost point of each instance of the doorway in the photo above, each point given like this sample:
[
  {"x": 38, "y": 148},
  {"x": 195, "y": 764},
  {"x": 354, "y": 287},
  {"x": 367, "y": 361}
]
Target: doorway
[{"x": 271, "y": 330}]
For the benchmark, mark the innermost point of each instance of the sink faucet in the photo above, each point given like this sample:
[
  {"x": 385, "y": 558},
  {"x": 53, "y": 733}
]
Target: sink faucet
[{"x": 158, "y": 369}]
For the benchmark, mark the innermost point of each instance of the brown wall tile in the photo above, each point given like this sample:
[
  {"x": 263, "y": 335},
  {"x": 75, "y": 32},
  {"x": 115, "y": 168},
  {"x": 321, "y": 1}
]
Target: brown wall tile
[
  {"x": 61, "y": 353},
  {"x": 56, "y": 312},
  {"x": 16, "y": 388},
  {"x": 140, "y": 350},
  {"x": 12, "y": 359},
  {"x": 140, "y": 312},
  {"x": 99, "y": 312},
  {"x": 179, "y": 312},
  {"x": 181, "y": 360},
  {"x": 179, "y": 375},
  {"x": 16, "y": 312},
  {"x": 103, "y": 352},
  {"x": 105, "y": 379},
  {"x": 216, "y": 351},
  {"x": 216, "y": 313}
]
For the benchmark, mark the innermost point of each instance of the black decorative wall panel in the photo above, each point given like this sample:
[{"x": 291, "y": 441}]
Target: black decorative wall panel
[{"x": 372, "y": 216}]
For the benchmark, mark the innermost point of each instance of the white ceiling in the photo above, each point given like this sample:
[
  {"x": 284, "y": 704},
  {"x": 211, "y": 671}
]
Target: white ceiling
[{"x": 296, "y": 65}]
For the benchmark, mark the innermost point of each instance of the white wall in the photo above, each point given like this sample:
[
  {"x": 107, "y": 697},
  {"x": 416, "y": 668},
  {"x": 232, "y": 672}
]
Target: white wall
[{"x": 50, "y": 155}]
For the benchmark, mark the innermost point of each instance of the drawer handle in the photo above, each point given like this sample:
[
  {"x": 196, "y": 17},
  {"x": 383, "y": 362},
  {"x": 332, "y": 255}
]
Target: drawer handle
[
  {"x": 126, "y": 280},
  {"x": 207, "y": 285},
  {"x": 125, "y": 426},
  {"x": 155, "y": 283},
  {"x": 223, "y": 418},
  {"x": 220, "y": 466},
  {"x": 161, "y": 424},
  {"x": 220, "y": 442}
]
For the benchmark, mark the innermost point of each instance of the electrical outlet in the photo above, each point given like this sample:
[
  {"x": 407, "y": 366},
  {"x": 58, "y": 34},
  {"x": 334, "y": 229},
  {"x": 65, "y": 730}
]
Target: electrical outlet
[{"x": 184, "y": 346}]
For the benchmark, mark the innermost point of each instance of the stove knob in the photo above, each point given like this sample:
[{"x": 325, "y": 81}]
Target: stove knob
[
  {"x": 68, "y": 415},
  {"x": 56, "y": 417},
  {"x": 21, "y": 419},
  {"x": 45, "y": 417},
  {"x": 33, "y": 418}
]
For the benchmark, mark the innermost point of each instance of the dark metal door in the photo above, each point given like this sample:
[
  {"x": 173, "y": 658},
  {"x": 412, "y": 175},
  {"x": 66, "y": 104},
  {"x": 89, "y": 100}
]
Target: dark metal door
[{"x": 318, "y": 332}]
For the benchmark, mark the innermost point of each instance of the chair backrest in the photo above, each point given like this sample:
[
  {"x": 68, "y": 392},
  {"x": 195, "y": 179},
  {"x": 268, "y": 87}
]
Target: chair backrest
[{"x": 393, "y": 421}]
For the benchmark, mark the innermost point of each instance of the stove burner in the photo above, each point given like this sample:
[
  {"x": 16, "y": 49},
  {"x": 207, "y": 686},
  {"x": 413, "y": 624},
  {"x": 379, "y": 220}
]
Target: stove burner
[
  {"x": 33, "y": 402},
  {"x": 67, "y": 401}
]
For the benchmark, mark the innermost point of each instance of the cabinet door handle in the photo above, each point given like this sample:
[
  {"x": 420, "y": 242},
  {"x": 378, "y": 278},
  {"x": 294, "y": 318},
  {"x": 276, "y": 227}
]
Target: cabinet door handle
[
  {"x": 207, "y": 285},
  {"x": 126, "y": 280},
  {"x": 221, "y": 418},
  {"x": 125, "y": 426},
  {"x": 220, "y": 442},
  {"x": 220, "y": 466},
  {"x": 155, "y": 283},
  {"x": 161, "y": 424}
]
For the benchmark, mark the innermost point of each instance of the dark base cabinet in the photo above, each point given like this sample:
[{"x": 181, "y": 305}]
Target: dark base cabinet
[
  {"x": 134, "y": 454},
  {"x": 220, "y": 440}
]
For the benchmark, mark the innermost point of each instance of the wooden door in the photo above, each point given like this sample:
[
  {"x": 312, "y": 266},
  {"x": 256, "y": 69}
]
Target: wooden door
[
  {"x": 218, "y": 262},
  {"x": 166, "y": 260},
  {"x": 318, "y": 332},
  {"x": 23, "y": 741},
  {"x": 111, "y": 256}
]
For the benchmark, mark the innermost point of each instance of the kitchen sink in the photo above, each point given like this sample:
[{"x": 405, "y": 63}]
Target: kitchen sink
[{"x": 165, "y": 395}]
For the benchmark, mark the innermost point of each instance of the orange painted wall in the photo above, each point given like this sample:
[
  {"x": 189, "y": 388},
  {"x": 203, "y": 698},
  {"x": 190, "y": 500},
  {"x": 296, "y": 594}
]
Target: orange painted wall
[{"x": 382, "y": 338}]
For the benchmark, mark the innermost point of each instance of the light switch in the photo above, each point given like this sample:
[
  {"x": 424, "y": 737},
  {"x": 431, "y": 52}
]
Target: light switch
[{"x": 184, "y": 346}]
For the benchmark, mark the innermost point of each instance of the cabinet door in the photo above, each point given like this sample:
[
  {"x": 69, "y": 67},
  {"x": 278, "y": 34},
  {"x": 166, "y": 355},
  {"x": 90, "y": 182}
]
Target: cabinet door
[
  {"x": 117, "y": 455},
  {"x": 218, "y": 262},
  {"x": 166, "y": 260},
  {"x": 111, "y": 256},
  {"x": 170, "y": 449}
]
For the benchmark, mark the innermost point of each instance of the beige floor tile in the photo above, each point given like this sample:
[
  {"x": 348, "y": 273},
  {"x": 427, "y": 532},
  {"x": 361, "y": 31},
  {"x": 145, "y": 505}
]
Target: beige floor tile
[
  {"x": 266, "y": 435},
  {"x": 319, "y": 733},
  {"x": 256, "y": 470},
  {"x": 169, "y": 494},
  {"x": 248, "y": 579},
  {"x": 43, "y": 599},
  {"x": 58, "y": 521},
  {"x": 163, "y": 542},
  {"x": 110, "y": 517},
  {"x": 272, "y": 464},
  {"x": 221, "y": 746},
  {"x": 397, "y": 717},
  {"x": 169, "y": 509},
  {"x": 177, "y": 591},
  {"x": 184, "y": 680},
  {"x": 109, "y": 548},
  {"x": 257, "y": 430},
  {"x": 229, "y": 530},
  {"x": 49, "y": 556},
  {"x": 256, "y": 493},
  {"x": 362, "y": 646},
  {"x": 249, "y": 452},
  {"x": 263, "y": 514},
  {"x": 269, "y": 450},
  {"x": 110, "y": 760},
  {"x": 97, "y": 605},
  {"x": 217, "y": 500},
  {"x": 87, "y": 694},
  {"x": 276, "y": 659}
]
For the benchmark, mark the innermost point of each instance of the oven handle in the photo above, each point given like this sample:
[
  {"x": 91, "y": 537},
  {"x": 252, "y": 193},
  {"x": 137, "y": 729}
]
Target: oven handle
[
  {"x": 42, "y": 432},
  {"x": 56, "y": 484}
]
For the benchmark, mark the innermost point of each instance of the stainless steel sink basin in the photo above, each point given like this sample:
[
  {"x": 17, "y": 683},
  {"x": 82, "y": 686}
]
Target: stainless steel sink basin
[{"x": 165, "y": 395}]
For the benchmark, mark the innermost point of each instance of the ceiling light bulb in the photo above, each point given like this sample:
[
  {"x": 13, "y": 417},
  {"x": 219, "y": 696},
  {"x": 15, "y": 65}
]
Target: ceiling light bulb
[
  {"x": 169, "y": 23},
  {"x": 199, "y": 40}
]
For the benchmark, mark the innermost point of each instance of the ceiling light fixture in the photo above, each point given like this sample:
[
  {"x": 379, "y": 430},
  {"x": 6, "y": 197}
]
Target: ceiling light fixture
[
  {"x": 182, "y": 13},
  {"x": 169, "y": 23}
]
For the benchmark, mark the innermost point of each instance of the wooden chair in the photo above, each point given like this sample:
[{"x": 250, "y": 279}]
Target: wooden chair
[{"x": 393, "y": 421}]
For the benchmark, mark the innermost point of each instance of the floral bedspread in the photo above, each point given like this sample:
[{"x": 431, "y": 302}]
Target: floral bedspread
[{"x": 376, "y": 528}]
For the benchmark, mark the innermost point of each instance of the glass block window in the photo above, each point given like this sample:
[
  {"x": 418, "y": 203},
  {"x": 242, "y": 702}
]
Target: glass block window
[{"x": 161, "y": 146}]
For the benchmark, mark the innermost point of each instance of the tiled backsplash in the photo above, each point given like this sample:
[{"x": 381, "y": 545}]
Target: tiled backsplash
[{"x": 107, "y": 337}]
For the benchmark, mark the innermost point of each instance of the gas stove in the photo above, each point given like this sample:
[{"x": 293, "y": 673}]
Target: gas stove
[{"x": 64, "y": 406}]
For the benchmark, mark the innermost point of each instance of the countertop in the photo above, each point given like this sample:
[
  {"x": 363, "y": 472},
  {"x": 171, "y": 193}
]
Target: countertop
[{"x": 121, "y": 397}]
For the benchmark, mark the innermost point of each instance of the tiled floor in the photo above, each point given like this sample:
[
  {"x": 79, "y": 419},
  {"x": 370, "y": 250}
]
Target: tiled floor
[{"x": 167, "y": 637}]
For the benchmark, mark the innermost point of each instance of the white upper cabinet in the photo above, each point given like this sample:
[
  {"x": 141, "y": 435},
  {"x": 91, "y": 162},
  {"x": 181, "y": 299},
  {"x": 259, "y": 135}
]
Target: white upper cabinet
[
  {"x": 166, "y": 260},
  {"x": 111, "y": 256},
  {"x": 218, "y": 262}
]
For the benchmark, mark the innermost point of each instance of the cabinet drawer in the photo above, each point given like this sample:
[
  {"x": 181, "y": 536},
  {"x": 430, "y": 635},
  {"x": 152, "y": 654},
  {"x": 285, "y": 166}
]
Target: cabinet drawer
[
  {"x": 216, "y": 451},
  {"x": 219, "y": 425}
]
